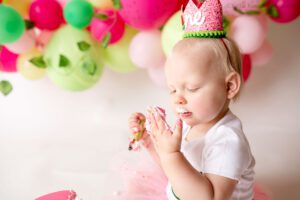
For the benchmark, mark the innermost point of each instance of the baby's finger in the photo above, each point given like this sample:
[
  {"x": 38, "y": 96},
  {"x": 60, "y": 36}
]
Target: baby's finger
[
  {"x": 153, "y": 138},
  {"x": 136, "y": 127},
  {"x": 153, "y": 123},
  {"x": 140, "y": 117},
  {"x": 133, "y": 122},
  {"x": 160, "y": 123}
]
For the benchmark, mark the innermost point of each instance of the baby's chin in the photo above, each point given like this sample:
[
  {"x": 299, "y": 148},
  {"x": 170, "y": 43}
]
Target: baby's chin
[
  {"x": 189, "y": 122},
  {"x": 192, "y": 122}
]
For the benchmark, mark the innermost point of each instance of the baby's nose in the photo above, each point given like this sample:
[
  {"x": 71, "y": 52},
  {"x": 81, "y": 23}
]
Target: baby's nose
[{"x": 180, "y": 100}]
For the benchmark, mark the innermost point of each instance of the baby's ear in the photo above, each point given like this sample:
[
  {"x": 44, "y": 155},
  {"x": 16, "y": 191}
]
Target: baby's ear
[{"x": 233, "y": 83}]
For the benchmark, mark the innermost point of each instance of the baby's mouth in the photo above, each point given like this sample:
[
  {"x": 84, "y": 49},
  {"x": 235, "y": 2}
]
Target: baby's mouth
[{"x": 183, "y": 112}]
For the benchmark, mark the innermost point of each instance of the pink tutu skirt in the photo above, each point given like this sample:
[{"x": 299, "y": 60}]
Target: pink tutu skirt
[{"x": 145, "y": 180}]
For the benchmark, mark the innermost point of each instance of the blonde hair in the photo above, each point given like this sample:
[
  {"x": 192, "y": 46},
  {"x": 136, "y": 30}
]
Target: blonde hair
[{"x": 226, "y": 51}]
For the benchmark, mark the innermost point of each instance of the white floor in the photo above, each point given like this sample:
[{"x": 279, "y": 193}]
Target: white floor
[{"x": 52, "y": 139}]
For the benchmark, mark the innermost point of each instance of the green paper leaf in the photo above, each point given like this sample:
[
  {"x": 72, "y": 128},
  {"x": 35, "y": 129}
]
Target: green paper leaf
[
  {"x": 226, "y": 23},
  {"x": 252, "y": 12},
  {"x": 5, "y": 87},
  {"x": 29, "y": 24},
  {"x": 38, "y": 62},
  {"x": 272, "y": 11},
  {"x": 236, "y": 9},
  {"x": 117, "y": 4},
  {"x": 83, "y": 46},
  {"x": 262, "y": 4},
  {"x": 63, "y": 61},
  {"x": 89, "y": 67},
  {"x": 101, "y": 16},
  {"x": 249, "y": 12},
  {"x": 105, "y": 40},
  {"x": 264, "y": 10}
]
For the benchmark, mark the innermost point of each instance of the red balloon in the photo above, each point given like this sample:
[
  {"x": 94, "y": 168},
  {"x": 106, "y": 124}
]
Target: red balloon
[
  {"x": 181, "y": 3},
  {"x": 288, "y": 10},
  {"x": 46, "y": 14},
  {"x": 114, "y": 24},
  {"x": 246, "y": 66},
  {"x": 145, "y": 15},
  {"x": 8, "y": 60}
]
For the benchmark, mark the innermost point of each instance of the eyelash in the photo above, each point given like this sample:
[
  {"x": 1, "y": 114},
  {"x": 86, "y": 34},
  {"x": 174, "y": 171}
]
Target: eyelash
[
  {"x": 190, "y": 90},
  {"x": 193, "y": 89},
  {"x": 172, "y": 91}
]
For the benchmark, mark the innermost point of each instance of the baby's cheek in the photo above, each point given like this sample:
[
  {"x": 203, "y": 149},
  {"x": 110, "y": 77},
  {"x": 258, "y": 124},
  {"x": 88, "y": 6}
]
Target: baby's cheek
[
  {"x": 200, "y": 105},
  {"x": 206, "y": 107}
]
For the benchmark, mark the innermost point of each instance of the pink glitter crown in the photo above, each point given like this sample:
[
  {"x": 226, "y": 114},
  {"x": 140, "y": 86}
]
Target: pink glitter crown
[{"x": 204, "y": 20}]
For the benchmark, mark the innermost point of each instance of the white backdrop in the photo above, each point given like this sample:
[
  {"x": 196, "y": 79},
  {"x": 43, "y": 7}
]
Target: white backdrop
[{"x": 51, "y": 139}]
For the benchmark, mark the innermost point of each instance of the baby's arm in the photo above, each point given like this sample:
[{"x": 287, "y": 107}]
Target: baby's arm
[
  {"x": 186, "y": 181},
  {"x": 189, "y": 184}
]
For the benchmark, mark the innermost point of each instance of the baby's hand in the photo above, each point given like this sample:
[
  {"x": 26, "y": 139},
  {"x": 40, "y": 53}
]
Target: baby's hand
[
  {"x": 137, "y": 127},
  {"x": 137, "y": 123},
  {"x": 165, "y": 140}
]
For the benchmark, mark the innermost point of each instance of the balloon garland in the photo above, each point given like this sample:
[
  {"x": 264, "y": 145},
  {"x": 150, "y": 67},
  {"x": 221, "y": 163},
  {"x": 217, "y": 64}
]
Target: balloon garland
[{"x": 71, "y": 40}]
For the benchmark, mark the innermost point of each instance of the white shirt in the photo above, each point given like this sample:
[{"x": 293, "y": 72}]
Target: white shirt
[{"x": 223, "y": 151}]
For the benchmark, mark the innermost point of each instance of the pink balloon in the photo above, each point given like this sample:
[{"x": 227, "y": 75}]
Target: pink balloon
[
  {"x": 249, "y": 32},
  {"x": 146, "y": 50},
  {"x": 145, "y": 15},
  {"x": 24, "y": 44},
  {"x": 288, "y": 10},
  {"x": 46, "y": 14},
  {"x": 244, "y": 5},
  {"x": 263, "y": 55},
  {"x": 8, "y": 60},
  {"x": 114, "y": 24},
  {"x": 157, "y": 75},
  {"x": 247, "y": 67}
]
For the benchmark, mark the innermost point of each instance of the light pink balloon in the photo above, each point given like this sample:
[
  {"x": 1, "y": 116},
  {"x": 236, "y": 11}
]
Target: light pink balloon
[
  {"x": 263, "y": 20},
  {"x": 8, "y": 60},
  {"x": 62, "y": 2},
  {"x": 43, "y": 39},
  {"x": 146, "y": 50},
  {"x": 249, "y": 32},
  {"x": 244, "y": 5},
  {"x": 114, "y": 24},
  {"x": 157, "y": 75},
  {"x": 263, "y": 55},
  {"x": 24, "y": 44}
]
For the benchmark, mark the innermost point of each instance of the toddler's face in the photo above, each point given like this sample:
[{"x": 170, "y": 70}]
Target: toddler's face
[{"x": 197, "y": 85}]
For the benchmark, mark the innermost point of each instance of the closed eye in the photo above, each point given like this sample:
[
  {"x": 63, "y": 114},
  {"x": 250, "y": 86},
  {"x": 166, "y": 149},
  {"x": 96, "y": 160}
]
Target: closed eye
[
  {"x": 193, "y": 89},
  {"x": 172, "y": 91}
]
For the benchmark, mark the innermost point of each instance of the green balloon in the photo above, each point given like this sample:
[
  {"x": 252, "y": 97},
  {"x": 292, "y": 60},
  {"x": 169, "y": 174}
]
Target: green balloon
[
  {"x": 12, "y": 25},
  {"x": 79, "y": 13},
  {"x": 116, "y": 56},
  {"x": 72, "y": 59},
  {"x": 172, "y": 33}
]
